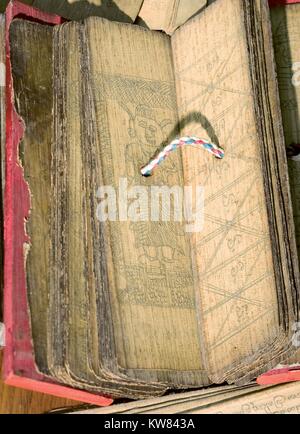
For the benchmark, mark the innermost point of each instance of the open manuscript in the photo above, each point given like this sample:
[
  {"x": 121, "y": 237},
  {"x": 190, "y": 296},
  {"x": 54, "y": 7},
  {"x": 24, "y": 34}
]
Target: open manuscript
[{"x": 133, "y": 308}]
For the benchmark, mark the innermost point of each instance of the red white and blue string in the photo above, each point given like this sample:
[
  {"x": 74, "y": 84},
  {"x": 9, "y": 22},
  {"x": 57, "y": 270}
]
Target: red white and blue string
[{"x": 178, "y": 143}]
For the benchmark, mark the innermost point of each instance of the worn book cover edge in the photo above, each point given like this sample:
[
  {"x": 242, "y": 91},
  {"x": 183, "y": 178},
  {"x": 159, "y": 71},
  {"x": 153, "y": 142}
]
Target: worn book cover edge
[{"x": 19, "y": 368}]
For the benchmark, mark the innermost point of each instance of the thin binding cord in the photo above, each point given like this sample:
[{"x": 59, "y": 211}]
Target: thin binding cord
[{"x": 178, "y": 143}]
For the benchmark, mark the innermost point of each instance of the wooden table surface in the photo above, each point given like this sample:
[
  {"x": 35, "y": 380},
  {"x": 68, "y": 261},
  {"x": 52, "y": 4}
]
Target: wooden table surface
[{"x": 14, "y": 400}]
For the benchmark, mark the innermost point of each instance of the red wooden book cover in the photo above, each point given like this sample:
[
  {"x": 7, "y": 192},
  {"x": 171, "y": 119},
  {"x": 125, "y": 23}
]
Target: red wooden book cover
[{"x": 19, "y": 366}]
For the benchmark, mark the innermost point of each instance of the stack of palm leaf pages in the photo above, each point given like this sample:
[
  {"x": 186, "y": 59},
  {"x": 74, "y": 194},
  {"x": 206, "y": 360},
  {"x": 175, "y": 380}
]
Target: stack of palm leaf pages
[{"x": 131, "y": 308}]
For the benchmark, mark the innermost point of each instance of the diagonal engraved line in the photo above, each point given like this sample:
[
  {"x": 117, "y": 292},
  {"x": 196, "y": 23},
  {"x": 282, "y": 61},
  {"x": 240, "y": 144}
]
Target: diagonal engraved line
[
  {"x": 229, "y": 186},
  {"x": 227, "y": 230},
  {"x": 207, "y": 273},
  {"x": 233, "y": 127},
  {"x": 212, "y": 86},
  {"x": 219, "y": 81},
  {"x": 234, "y": 37},
  {"x": 242, "y": 158},
  {"x": 241, "y": 228},
  {"x": 240, "y": 114},
  {"x": 179, "y": 74},
  {"x": 242, "y": 142},
  {"x": 228, "y": 295},
  {"x": 236, "y": 332},
  {"x": 225, "y": 63},
  {"x": 223, "y": 113},
  {"x": 247, "y": 160},
  {"x": 201, "y": 83},
  {"x": 239, "y": 292},
  {"x": 234, "y": 124},
  {"x": 249, "y": 274},
  {"x": 234, "y": 91},
  {"x": 219, "y": 116},
  {"x": 233, "y": 224}
]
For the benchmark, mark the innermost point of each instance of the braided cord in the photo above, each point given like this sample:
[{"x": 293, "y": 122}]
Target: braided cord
[{"x": 178, "y": 143}]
